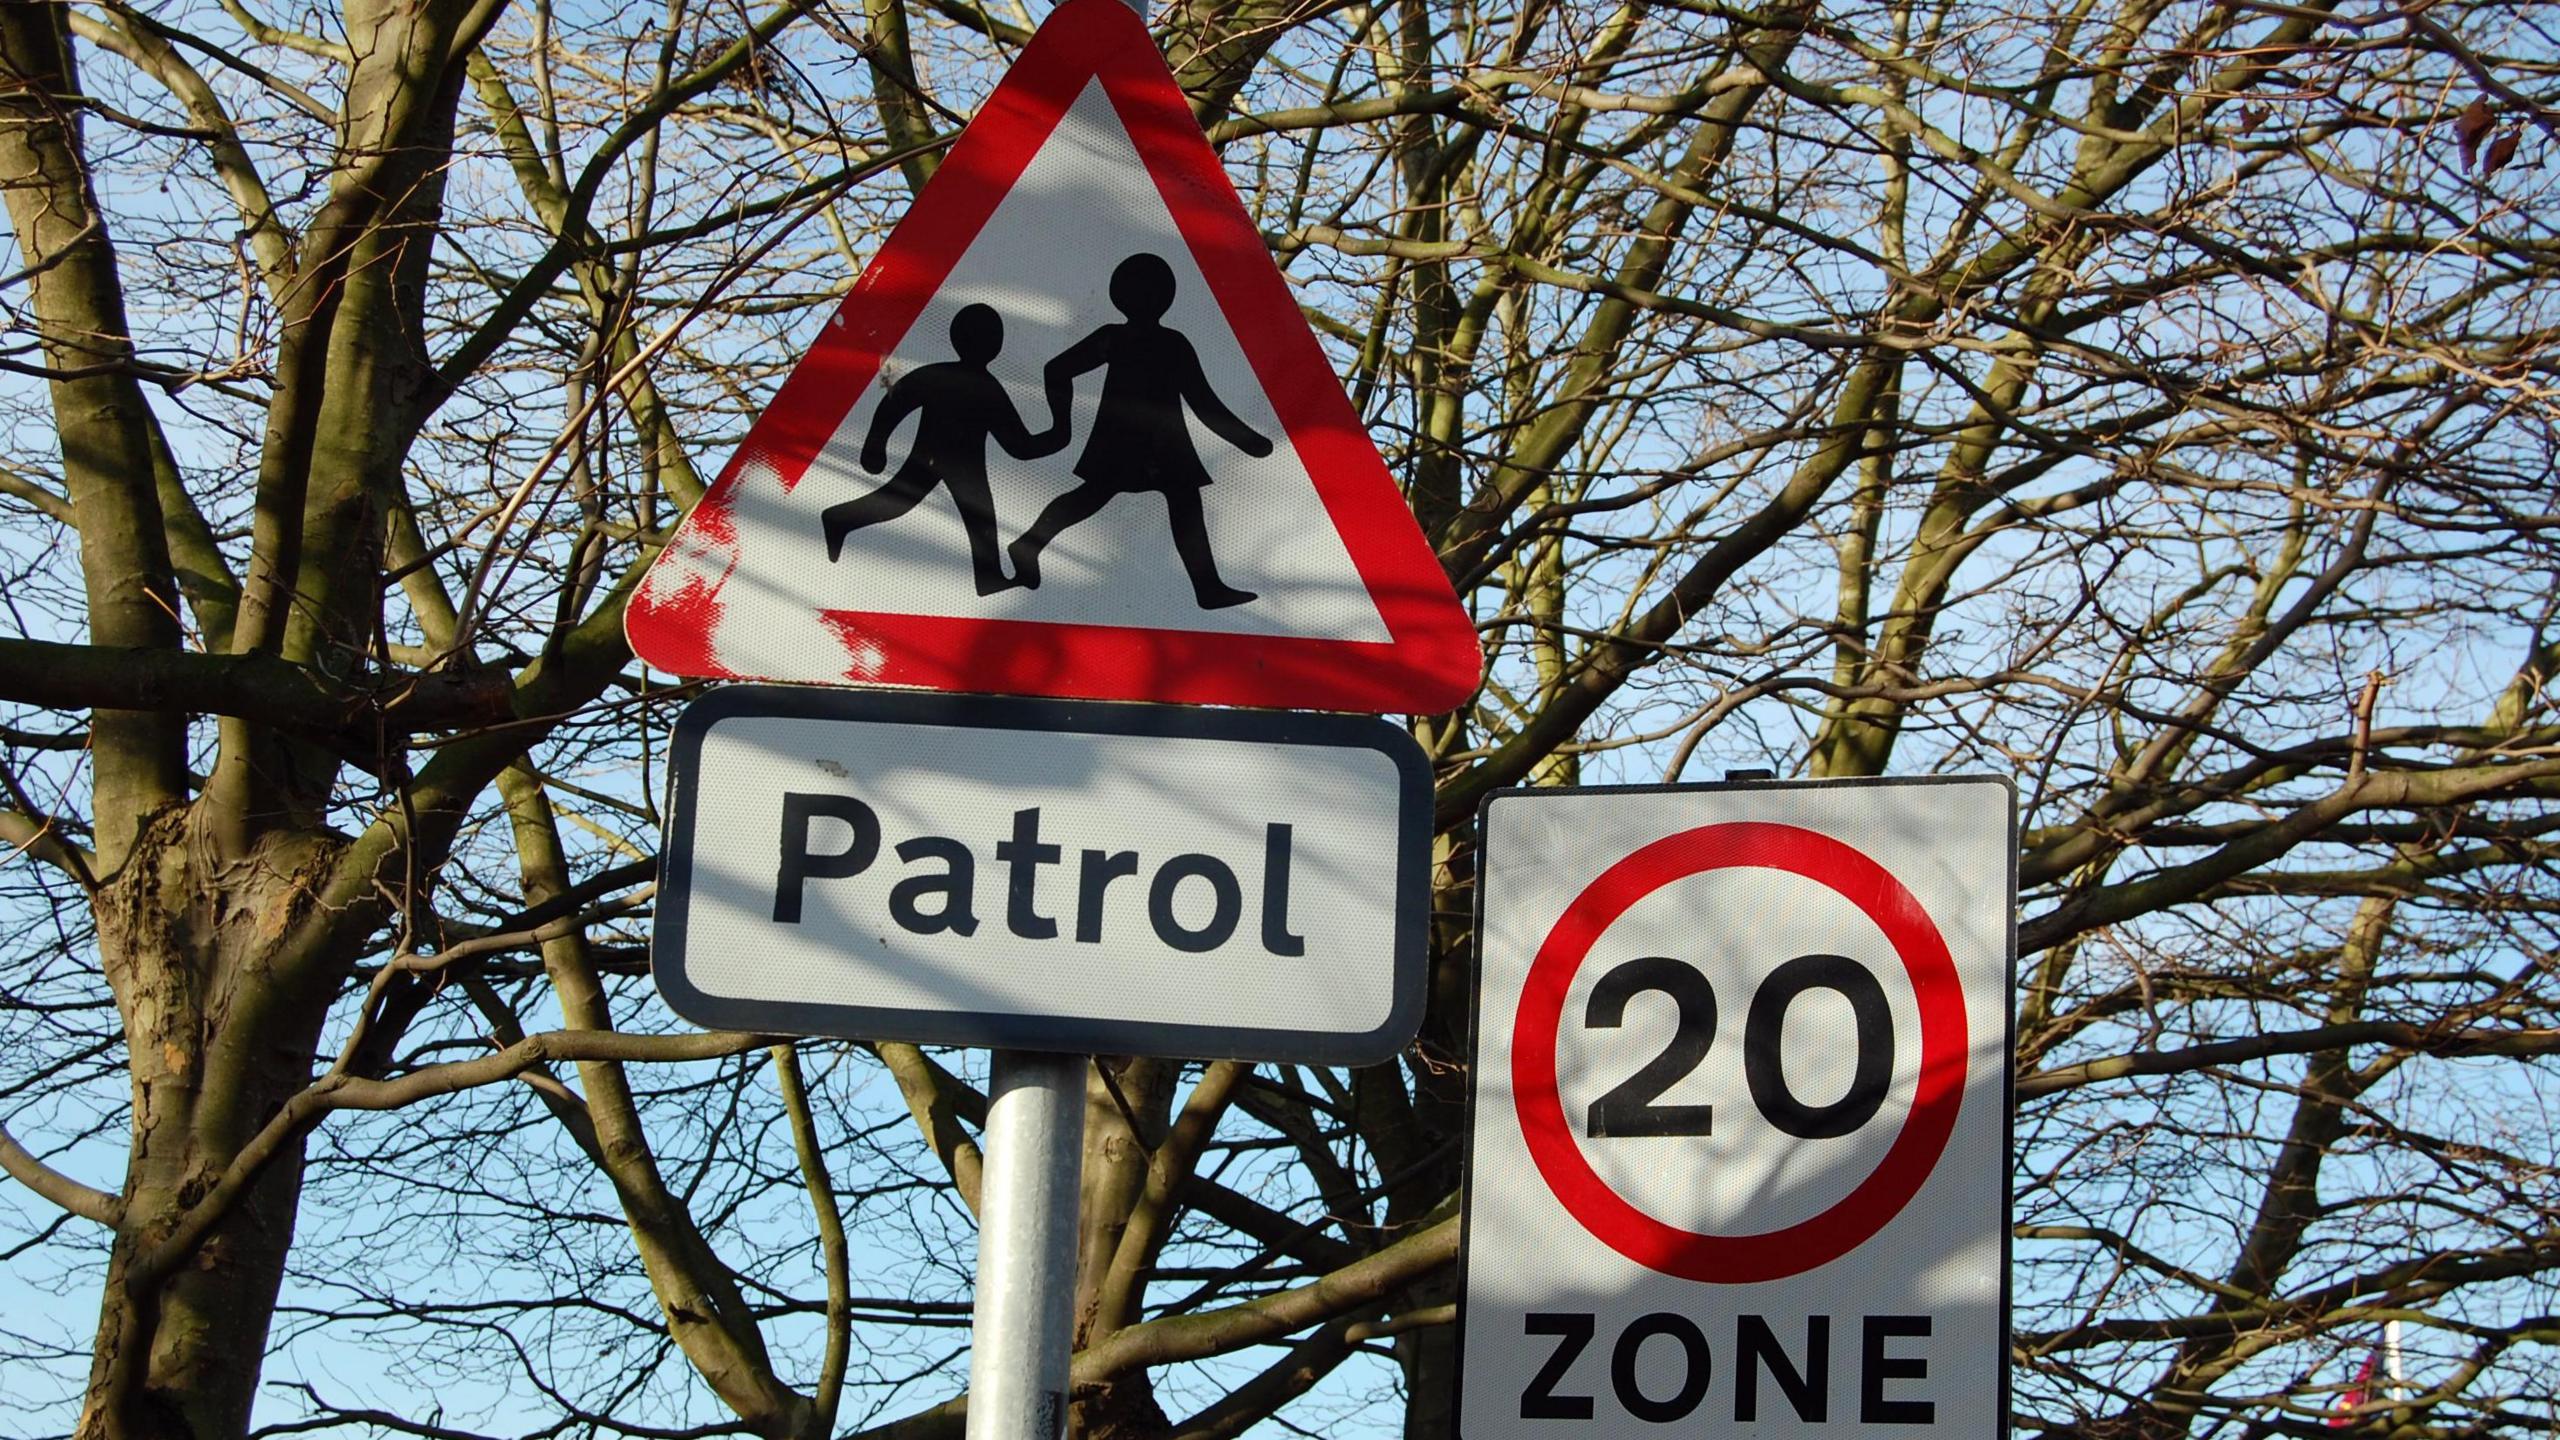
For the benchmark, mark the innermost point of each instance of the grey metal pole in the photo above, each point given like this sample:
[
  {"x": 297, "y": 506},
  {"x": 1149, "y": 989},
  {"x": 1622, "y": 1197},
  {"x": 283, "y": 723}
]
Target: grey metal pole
[{"x": 1022, "y": 1323}]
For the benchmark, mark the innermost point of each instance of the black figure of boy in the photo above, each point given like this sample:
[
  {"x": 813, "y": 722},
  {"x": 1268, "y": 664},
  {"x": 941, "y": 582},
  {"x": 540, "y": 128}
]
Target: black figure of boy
[
  {"x": 1140, "y": 441},
  {"x": 960, "y": 406}
]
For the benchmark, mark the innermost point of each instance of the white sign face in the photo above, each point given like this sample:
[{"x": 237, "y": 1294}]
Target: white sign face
[
  {"x": 1094, "y": 878},
  {"x": 1739, "y": 1157},
  {"x": 1266, "y": 530}
]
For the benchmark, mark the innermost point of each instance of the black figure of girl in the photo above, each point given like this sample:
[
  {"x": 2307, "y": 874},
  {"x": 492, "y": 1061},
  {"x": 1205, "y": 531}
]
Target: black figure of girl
[
  {"x": 961, "y": 406},
  {"x": 1140, "y": 441}
]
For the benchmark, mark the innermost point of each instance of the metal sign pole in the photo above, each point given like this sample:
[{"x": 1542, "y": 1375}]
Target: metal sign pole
[{"x": 1022, "y": 1324}]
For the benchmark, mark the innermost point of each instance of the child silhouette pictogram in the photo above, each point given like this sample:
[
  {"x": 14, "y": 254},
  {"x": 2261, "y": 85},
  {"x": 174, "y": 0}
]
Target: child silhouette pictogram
[
  {"x": 1140, "y": 440},
  {"x": 960, "y": 405}
]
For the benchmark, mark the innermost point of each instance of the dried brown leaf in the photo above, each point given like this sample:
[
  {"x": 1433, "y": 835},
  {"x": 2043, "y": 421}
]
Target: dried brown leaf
[
  {"x": 2470, "y": 127},
  {"x": 2501, "y": 150}
]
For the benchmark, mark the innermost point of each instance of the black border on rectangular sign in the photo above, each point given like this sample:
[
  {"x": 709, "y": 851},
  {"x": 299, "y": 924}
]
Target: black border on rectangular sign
[
  {"x": 1475, "y": 1025},
  {"x": 1078, "y": 1035}
]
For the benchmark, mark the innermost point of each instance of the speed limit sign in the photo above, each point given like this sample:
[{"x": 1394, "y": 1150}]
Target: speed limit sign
[{"x": 1739, "y": 1152}]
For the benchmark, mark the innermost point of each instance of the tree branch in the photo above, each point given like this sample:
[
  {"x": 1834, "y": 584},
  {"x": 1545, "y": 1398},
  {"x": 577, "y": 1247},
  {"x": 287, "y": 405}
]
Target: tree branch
[
  {"x": 831, "y": 1241},
  {"x": 46, "y": 502},
  {"x": 262, "y": 688},
  {"x": 86, "y": 1201},
  {"x": 2419, "y": 1039},
  {"x": 1220, "y": 1332},
  {"x": 43, "y": 839},
  {"x": 341, "y": 1091},
  {"x": 2112, "y": 904},
  {"x": 1356, "y": 1287}
]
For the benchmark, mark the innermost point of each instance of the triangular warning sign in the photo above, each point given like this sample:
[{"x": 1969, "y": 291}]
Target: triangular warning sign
[{"x": 1069, "y": 435}]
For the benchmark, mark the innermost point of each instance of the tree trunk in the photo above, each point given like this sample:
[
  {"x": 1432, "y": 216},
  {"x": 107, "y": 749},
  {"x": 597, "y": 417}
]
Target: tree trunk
[
  {"x": 1116, "y": 1156},
  {"x": 210, "y": 968}
]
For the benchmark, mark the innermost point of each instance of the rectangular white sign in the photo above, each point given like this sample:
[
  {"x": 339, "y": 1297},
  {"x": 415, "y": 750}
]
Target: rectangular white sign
[
  {"x": 1117, "y": 879},
  {"x": 1739, "y": 1140}
]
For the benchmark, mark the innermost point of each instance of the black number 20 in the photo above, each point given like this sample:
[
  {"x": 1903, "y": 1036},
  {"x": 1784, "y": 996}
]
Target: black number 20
[{"x": 1629, "y": 1108}]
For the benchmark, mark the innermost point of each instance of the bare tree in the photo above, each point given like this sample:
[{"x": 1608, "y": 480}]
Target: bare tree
[{"x": 2149, "y": 401}]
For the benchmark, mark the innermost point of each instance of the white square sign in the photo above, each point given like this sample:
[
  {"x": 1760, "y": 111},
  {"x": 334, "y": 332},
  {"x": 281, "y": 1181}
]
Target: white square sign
[
  {"x": 1039, "y": 875},
  {"x": 1739, "y": 1150}
]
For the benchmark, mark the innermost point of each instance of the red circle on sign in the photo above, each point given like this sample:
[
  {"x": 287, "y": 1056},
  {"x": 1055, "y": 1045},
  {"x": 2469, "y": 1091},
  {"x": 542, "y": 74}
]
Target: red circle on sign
[{"x": 1774, "y": 1254}]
